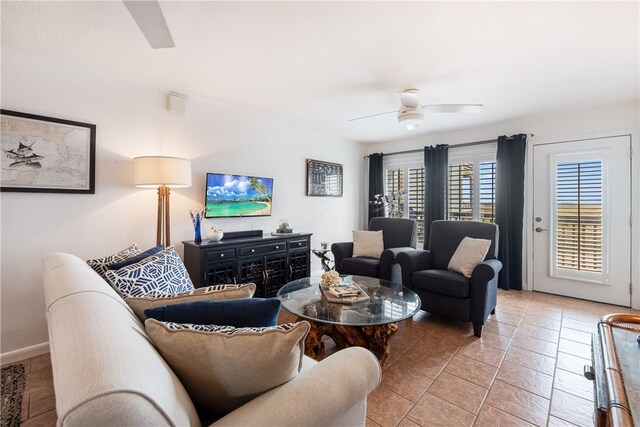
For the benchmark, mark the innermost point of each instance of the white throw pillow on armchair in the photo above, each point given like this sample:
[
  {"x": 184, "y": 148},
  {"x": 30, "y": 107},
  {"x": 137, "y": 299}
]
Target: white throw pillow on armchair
[
  {"x": 367, "y": 243},
  {"x": 470, "y": 252}
]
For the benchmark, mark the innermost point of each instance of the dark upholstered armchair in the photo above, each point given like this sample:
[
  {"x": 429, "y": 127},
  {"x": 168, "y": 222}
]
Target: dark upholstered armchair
[
  {"x": 398, "y": 234},
  {"x": 448, "y": 293}
]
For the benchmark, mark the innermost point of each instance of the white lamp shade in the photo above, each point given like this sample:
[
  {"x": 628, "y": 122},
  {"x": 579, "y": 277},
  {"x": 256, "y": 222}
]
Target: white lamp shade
[{"x": 154, "y": 171}]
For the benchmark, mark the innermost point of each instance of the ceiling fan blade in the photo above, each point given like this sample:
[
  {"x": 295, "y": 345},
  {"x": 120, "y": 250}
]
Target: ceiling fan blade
[
  {"x": 150, "y": 19},
  {"x": 452, "y": 108},
  {"x": 374, "y": 115}
]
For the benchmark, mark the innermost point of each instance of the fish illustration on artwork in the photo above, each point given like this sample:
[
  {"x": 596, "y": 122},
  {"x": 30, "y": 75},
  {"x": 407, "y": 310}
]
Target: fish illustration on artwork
[{"x": 24, "y": 154}]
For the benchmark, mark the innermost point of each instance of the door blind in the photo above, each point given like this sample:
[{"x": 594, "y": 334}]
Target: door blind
[
  {"x": 579, "y": 238},
  {"x": 460, "y": 200}
]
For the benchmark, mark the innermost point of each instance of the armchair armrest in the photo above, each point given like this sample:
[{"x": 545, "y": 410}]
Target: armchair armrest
[
  {"x": 340, "y": 251},
  {"x": 484, "y": 289},
  {"x": 413, "y": 261},
  {"x": 390, "y": 257},
  {"x": 318, "y": 396}
]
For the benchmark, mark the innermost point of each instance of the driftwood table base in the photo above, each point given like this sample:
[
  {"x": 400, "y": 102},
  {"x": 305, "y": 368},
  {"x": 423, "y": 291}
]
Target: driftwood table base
[{"x": 375, "y": 338}]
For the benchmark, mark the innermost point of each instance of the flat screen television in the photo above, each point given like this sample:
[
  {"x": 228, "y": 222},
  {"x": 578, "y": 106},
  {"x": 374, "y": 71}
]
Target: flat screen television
[{"x": 237, "y": 195}]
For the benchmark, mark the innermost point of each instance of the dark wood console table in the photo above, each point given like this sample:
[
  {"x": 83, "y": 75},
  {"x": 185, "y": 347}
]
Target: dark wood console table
[{"x": 268, "y": 261}]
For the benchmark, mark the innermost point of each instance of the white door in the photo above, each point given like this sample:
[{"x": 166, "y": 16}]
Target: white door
[{"x": 581, "y": 219}]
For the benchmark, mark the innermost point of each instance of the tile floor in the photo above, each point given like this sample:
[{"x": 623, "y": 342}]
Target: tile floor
[{"x": 525, "y": 370}]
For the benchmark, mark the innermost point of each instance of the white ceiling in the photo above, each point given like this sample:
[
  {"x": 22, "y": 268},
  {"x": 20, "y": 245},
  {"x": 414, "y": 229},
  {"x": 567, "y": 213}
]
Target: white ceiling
[{"x": 322, "y": 63}]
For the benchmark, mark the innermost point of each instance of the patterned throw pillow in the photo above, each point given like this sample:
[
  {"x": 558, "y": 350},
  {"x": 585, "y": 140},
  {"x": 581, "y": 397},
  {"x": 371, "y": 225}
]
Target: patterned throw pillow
[
  {"x": 137, "y": 258},
  {"x": 217, "y": 292},
  {"x": 162, "y": 273},
  {"x": 223, "y": 367},
  {"x": 100, "y": 264}
]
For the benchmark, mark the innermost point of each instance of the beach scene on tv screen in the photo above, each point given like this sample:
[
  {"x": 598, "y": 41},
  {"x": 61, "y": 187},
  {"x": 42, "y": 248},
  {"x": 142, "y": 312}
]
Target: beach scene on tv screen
[{"x": 235, "y": 195}]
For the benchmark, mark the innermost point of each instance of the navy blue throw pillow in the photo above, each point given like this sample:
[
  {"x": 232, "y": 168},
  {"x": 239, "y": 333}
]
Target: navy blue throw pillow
[
  {"x": 239, "y": 313},
  {"x": 134, "y": 259}
]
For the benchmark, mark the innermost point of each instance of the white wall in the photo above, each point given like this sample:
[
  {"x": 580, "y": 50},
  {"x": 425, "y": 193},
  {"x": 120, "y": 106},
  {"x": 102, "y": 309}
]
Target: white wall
[
  {"x": 132, "y": 121},
  {"x": 551, "y": 127}
]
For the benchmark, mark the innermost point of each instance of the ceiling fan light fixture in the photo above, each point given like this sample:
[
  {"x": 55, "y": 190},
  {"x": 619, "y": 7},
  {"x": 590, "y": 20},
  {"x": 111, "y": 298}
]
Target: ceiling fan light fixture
[{"x": 411, "y": 117}]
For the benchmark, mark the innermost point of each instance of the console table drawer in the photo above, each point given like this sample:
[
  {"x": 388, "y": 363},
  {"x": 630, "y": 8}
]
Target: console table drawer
[
  {"x": 219, "y": 255},
  {"x": 262, "y": 249},
  {"x": 298, "y": 244}
]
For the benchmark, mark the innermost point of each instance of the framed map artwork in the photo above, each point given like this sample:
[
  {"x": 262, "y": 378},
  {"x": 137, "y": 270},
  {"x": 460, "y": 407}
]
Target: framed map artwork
[
  {"x": 46, "y": 155},
  {"x": 324, "y": 179}
]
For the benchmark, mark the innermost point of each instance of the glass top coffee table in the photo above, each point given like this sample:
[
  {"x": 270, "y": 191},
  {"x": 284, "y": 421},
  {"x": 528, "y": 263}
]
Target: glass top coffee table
[{"x": 369, "y": 324}]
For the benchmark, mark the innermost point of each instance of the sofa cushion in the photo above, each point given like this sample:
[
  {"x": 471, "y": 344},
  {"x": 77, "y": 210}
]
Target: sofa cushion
[
  {"x": 442, "y": 282},
  {"x": 470, "y": 252},
  {"x": 361, "y": 266},
  {"x": 134, "y": 259},
  {"x": 223, "y": 367},
  {"x": 214, "y": 293},
  {"x": 162, "y": 273},
  {"x": 367, "y": 243},
  {"x": 99, "y": 265},
  {"x": 239, "y": 313}
]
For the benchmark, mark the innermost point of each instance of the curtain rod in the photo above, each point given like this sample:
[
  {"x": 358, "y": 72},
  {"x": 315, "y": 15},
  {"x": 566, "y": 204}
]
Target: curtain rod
[{"x": 419, "y": 150}]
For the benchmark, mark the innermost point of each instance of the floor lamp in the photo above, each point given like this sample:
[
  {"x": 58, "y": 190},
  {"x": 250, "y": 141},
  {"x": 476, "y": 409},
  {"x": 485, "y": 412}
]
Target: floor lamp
[{"x": 163, "y": 173}]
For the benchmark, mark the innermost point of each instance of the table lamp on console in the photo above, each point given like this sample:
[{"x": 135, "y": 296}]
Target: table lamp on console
[{"x": 162, "y": 173}]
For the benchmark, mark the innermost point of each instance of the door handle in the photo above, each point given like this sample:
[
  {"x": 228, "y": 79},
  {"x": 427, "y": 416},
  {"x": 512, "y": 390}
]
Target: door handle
[{"x": 540, "y": 229}]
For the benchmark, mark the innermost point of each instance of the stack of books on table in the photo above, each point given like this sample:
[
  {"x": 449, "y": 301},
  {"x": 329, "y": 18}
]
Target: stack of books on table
[{"x": 344, "y": 294}]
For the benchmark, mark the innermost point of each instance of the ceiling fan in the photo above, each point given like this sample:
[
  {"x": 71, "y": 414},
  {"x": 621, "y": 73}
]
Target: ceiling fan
[
  {"x": 411, "y": 112},
  {"x": 149, "y": 17}
]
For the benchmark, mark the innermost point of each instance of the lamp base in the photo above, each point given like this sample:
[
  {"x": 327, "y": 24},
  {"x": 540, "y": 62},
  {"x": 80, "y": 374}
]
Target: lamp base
[{"x": 163, "y": 235}]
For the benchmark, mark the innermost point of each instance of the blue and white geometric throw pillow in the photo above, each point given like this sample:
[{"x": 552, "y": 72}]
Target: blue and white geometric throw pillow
[
  {"x": 162, "y": 273},
  {"x": 100, "y": 264}
]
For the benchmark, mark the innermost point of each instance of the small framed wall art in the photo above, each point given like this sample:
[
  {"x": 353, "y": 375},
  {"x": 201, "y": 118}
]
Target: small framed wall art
[
  {"x": 324, "y": 179},
  {"x": 46, "y": 155}
]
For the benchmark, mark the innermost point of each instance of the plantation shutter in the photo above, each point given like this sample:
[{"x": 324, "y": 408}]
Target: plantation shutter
[
  {"x": 460, "y": 202},
  {"x": 579, "y": 222},
  {"x": 488, "y": 191},
  {"x": 416, "y": 199}
]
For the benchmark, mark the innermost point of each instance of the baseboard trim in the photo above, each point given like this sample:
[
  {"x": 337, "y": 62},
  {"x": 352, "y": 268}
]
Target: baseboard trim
[{"x": 24, "y": 353}]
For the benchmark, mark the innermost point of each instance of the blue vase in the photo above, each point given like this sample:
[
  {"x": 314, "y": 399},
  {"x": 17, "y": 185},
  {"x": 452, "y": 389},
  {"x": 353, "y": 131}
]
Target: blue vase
[{"x": 196, "y": 227}]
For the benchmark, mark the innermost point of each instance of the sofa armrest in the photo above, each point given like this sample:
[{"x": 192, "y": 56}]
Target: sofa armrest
[
  {"x": 412, "y": 261},
  {"x": 340, "y": 251},
  {"x": 318, "y": 396},
  {"x": 484, "y": 289},
  {"x": 390, "y": 257}
]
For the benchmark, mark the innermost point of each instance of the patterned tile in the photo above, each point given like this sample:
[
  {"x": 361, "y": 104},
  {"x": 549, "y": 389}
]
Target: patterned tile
[
  {"x": 575, "y": 348},
  {"x": 535, "y": 344},
  {"x": 526, "y": 379},
  {"x": 461, "y": 393},
  {"x": 482, "y": 353},
  {"x": 471, "y": 370},
  {"x": 574, "y": 384},
  {"x": 518, "y": 402},
  {"x": 492, "y": 340},
  {"x": 386, "y": 408},
  {"x": 529, "y": 359},
  {"x": 422, "y": 363},
  {"x": 571, "y": 363},
  {"x": 405, "y": 382},
  {"x": 576, "y": 335},
  {"x": 543, "y": 322},
  {"x": 433, "y": 411},
  {"x": 494, "y": 417},
  {"x": 573, "y": 409},
  {"x": 538, "y": 332}
]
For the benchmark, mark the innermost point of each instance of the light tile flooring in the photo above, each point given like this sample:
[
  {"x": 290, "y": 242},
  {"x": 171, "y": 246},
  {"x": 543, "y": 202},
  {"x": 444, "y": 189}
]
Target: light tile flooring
[{"x": 525, "y": 370}]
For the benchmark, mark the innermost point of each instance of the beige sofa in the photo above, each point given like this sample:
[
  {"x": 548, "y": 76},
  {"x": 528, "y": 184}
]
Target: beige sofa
[{"x": 106, "y": 372}]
